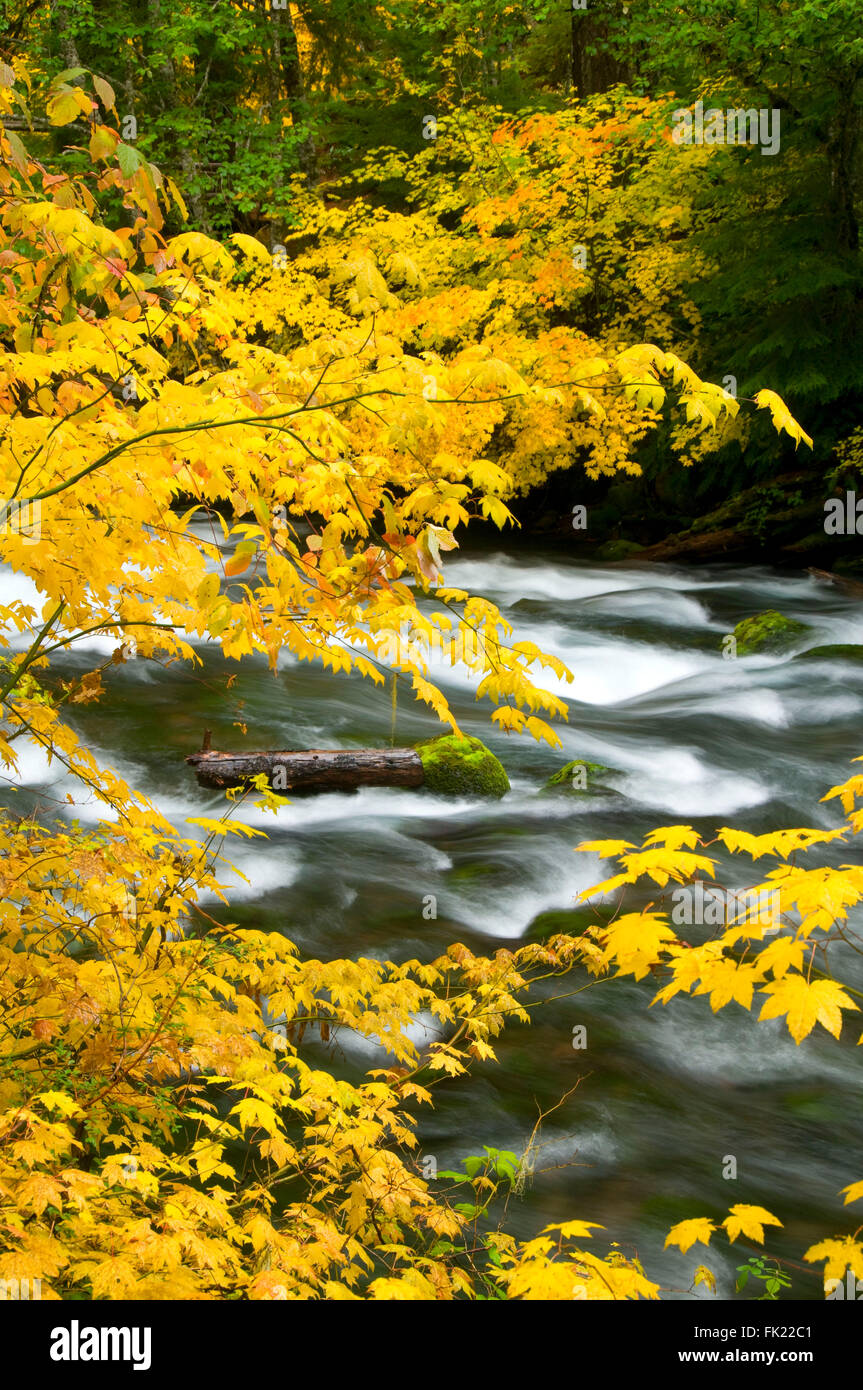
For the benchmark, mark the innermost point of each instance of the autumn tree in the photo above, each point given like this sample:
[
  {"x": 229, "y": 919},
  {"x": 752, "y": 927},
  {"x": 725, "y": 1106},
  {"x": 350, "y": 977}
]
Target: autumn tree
[{"x": 163, "y": 1130}]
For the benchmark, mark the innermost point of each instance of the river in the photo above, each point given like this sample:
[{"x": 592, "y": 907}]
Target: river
[{"x": 665, "y": 1095}]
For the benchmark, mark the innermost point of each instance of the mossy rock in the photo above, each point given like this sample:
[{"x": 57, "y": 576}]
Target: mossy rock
[
  {"x": 837, "y": 651},
  {"x": 567, "y": 781},
  {"x": 567, "y": 921},
  {"x": 767, "y": 632},
  {"x": 461, "y": 767},
  {"x": 465, "y": 874},
  {"x": 618, "y": 550}
]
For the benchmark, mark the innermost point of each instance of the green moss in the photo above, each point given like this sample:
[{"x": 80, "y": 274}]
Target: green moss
[
  {"x": 847, "y": 564},
  {"x": 469, "y": 873},
  {"x": 618, "y": 550},
  {"x": 568, "y": 780},
  {"x": 462, "y": 767},
  {"x": 845, "y": 651},
  {"x": 809, "y": 1105},
  {"x": 567, "y": 921},
  {"x": 767, "y": 632},
  {"x": 665, "y": 1209}
]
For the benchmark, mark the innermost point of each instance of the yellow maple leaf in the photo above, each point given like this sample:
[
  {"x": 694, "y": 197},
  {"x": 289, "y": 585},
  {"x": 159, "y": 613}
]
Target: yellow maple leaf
[
  {"x": 748, "y": 1221},
  {"x": 574, "y": 1228},
  {"x": 806, "y": 1003},
  {"x": 840, "y": 1254},
  {"x": 673, "y": 837},
  {"x": 781, "y": 955},
  {"x": 636, "y": 941},
  {"x": 604, "y": 848},
  {"x": 58, "y": 1100},
  {"x": 686, "y": 1233},
  {"x": 725, "y": 980},
  {"x": 781, "y": 416}
]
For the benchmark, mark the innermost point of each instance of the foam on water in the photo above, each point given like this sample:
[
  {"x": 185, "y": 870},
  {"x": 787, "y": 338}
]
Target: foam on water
[
  {"x": 423, "y": 1030},
  {"x": 659, "y": 606},
  {"x": 731, "y": 1045},
  {"x": 610, "y": 673},
  {"x": 384, "y": 805},
  {"x": 250, "y": 873},
  {"x": 555, "y": 879},
  {"x": 683, "y": 784},
  {"x": 752, "y": 706}
]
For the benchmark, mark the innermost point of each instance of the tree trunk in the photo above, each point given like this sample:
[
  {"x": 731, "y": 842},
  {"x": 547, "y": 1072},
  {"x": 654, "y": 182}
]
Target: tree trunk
[
  {"x": 186, "y": 146},
  {"x": 593, "y": 68},
  {"x": 842, "y": 152},
  {"x": 313, "y": 769},
  {"x": 68, "y": 47},
  {"x": 286, "y": 75}
]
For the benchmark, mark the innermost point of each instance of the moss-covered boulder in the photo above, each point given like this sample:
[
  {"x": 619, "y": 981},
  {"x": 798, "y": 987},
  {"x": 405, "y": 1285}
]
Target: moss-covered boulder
[
  {"x": 767, "y": 632},
  {"x": 568, "y": 921},
  {"x": 580, "y": 778},
  {"x": 836, "y": 651},
  {"x": 461, "y": 767}
]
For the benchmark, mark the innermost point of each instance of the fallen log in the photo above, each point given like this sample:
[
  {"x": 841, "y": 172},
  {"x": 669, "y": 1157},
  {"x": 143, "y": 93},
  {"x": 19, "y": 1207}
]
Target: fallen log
[
  {"x": 848, "y": 585},
  {"x": 450, "y": 765},
  {"x": 313, "y": 769}
]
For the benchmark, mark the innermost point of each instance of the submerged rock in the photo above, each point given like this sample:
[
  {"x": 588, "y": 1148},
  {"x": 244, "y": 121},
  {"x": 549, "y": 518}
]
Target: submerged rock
[
  {"x": 461, "y": 767},
  {"x": 767, "y": 632},
  {"x": 580, "y": 778},
  {"x": 837, "y": 651}
]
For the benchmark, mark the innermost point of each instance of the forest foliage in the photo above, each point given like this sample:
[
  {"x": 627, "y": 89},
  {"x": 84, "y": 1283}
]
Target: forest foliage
[{"x": 335, "y": 405}]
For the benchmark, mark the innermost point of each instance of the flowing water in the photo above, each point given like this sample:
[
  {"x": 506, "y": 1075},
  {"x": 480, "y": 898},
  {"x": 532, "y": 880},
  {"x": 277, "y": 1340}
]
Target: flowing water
[{"x": 665, "y": 1096}]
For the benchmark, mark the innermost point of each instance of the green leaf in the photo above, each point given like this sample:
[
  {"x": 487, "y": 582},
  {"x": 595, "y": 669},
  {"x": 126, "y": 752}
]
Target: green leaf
[
  {"x": 129, "y": 160},
  {"x": 67, "y": 75}
]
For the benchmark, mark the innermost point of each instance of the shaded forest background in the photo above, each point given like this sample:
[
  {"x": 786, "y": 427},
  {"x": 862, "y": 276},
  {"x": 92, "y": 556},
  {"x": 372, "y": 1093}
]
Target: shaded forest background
[{"x": 255, "y": 107}]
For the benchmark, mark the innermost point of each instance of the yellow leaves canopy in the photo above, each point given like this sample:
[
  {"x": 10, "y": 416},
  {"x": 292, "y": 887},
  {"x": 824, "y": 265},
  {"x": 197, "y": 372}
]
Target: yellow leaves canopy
[{"x": 278, "y": 460}]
